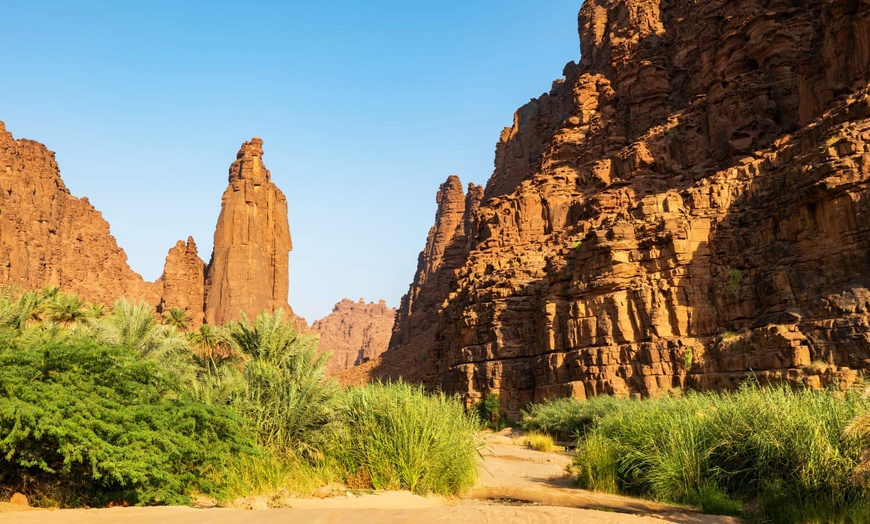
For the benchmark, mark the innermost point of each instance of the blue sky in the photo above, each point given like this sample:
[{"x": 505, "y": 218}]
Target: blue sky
[{"x": 364, "y": 108}]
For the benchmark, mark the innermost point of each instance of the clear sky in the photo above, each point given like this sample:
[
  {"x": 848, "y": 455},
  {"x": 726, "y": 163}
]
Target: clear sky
[{"x": 365, "y": 107}]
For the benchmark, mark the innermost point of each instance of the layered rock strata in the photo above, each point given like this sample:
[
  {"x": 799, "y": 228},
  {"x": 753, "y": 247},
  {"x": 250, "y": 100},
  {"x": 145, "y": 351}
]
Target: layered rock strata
[
  {"x": 249, "y": 267},
  {"x": 50, "y": 238},
  {"x": 684, "y": 208},
  {"x": 355, "y": 333}
]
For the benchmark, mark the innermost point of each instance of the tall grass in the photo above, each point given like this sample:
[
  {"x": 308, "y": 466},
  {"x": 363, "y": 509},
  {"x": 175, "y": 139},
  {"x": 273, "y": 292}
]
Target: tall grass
[
  {"x": 568, "y": 418},
  {"x": 782, "y": 450},
  {"x": 399, "y": 437}
]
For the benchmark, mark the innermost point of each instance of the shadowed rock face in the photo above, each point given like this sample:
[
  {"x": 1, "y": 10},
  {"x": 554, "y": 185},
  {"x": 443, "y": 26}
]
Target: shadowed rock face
[
  {"x": 686, "y": 205},
  {"x": 249, "y": 267},
  {"x": 51, "y": 238},
  {"x": 354, "y": 333}
]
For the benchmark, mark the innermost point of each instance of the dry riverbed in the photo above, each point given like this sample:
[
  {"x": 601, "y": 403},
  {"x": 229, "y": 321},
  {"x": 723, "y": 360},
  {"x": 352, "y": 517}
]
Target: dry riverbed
[{"x": 516, "y": 485}]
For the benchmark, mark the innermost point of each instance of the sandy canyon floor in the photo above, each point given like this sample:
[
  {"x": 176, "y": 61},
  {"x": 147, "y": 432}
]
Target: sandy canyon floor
[{"x": 516, "y": 484}]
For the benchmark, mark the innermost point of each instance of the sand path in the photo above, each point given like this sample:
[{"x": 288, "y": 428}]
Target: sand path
[{"x": 516, "y": 485}]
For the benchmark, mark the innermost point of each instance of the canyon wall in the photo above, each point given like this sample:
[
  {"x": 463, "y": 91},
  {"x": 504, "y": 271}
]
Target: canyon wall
[
  {"x": 50, "y": 238},
  {"x": 354, "y": 333},
  {"x": 687, "y": 206}
]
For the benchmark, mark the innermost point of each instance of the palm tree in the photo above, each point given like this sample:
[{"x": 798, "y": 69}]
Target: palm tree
[
  {"x": 134, "y": 326},
  {"x": 93, "y": 310},
  {"x": 178, "y": 318},
  {"x": 66, "y": 309},
  {"x": 287, "y": 395}
]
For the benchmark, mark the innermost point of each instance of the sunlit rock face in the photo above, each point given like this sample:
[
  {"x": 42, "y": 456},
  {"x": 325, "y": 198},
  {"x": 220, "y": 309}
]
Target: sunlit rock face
[
  {"x": 687, "y": 205},
  {"x": 249, "y": 268},
  {"x": 50, "y": 238},
  {"x": 354, "y": 333}
]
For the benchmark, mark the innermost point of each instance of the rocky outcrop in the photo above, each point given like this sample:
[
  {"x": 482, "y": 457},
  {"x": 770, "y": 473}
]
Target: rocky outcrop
[
  {"x": 50, "y": 238},
  {"x": 685, "y": 207},
  {"x": 183, "y": 281},
  {"x": 355, "y": 333},
  {"x": 249, "y": 267},
  {"x": 446, "y": 249}
]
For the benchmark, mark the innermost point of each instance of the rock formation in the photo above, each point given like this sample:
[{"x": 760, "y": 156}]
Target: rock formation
[
  {"x": 688, "y": 205},
  {"x": 355, "y": 333},
  {"x": 248, "y": 271},
  {"x": 50, "y": 238},
  {"x": 184, "y": 281}
]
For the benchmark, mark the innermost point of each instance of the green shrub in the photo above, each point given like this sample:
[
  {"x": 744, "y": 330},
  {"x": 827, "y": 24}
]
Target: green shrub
[
  {"x": 541, "y": 442},
  {"x": 781, "y": 449},
  {"x": 567, "y": 418},
  {"x": 489, "y": 411},
  {"x": 286, "y": 393},
  {"x": 399, "y": 437},
  {"x": 85, "y": 423}
]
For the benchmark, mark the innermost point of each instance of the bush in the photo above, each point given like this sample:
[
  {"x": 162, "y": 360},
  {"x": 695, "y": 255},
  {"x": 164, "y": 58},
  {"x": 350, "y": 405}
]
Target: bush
[
  {"x": 399, "y": 437},
  {"x": 780, "y": 449},
  {"x": 541, "y": 442},
  {"x": 85, "y": 423},
  {"x": 286, "y": 395},
  {"x": 568, "y": 418}
]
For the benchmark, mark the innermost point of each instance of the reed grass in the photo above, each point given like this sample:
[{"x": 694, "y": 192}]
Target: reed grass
[
  {"x": 541, "y": 442},
  {"x": 397, "y": 436},
  {"x": 774, "y": 449}
]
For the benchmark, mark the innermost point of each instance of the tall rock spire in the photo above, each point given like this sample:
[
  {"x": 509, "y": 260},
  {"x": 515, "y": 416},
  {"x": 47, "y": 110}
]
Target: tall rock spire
[{"x": 248, "y": 272}]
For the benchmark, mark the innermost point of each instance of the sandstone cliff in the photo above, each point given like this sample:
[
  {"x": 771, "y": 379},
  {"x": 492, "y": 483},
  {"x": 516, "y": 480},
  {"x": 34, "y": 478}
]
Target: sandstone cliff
[
  {"x": 355, "y": 333},
  {"x": 687, "y": 205},
  {"x": 50, "y": 238},
  {"x": 248, "y": 271},
  {"x": 183, "y": 281}
]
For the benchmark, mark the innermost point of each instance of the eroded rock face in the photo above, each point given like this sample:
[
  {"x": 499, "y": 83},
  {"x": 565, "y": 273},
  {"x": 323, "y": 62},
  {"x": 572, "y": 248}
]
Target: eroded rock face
[
  {"x": 687, "y": 205},
  {"x": 355, "y": 333},
  {"x": 249, "y": 267},
  {"x": 446, "y": 249},
  {"x": 183, "y": 281},
  {"x": 50, "y": 238}
]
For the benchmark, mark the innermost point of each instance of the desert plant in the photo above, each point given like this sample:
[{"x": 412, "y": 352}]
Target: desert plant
[
  {"x": 489, "y": 411},
  {"x": 782, "y": 449},
  {"x": 541, "y": 442},
  {"x": 94, "y": 423},
  {"x": 178, "y": 318},
  {"x": 399, "y": 437},
  {"x": 286, "y": 394}
]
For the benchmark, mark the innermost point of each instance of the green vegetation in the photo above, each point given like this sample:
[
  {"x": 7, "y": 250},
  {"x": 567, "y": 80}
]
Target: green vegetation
[
  {"x": 541, "y": 442},
  {"x": 86, "y": 423},
  {"x": 780, "y": 452},
  {"x": 400, "y": 437},
  {"x": 488, "y": 411},
  {"x": 102, "y": 406},
  {"x": 735, "y": 276},
  {"x": 688, "y": 358},
  {"x": 567, "y": 418}
]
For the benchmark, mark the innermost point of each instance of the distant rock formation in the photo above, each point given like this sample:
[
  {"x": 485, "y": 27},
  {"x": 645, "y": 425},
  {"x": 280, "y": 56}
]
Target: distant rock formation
[
  {"x": 249, "y": 267},
  {"x": 184, "y": 281},
  {"x": 355, "y": 333},
  {"x": 688, "y": 205},
  {"x": 51, "y": 238}
]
